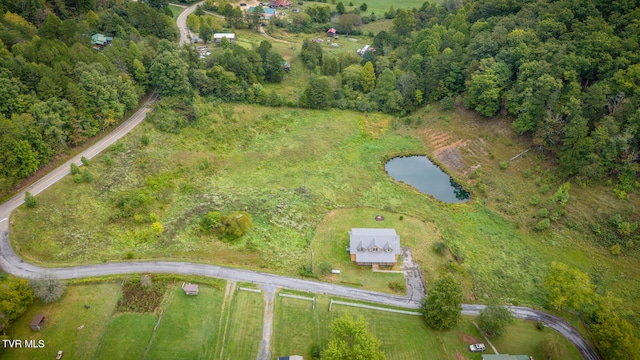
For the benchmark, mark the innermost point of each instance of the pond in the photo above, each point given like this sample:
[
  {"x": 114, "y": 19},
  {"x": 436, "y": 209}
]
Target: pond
[{"x": 422, "y": 174}]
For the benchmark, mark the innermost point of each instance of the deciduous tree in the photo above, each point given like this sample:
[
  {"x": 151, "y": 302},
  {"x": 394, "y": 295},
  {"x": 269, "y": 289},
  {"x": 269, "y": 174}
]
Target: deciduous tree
[
  {"x": 441, "y": 308},
  {"x": 568, "y": 287},
  {"x": 351, "y": 339},
  {"x": 48, "y": 288},
  {"x": 493, "y": 320}
]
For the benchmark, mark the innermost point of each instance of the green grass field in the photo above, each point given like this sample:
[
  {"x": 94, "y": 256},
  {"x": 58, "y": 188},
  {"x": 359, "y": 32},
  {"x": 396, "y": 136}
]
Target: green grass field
[
  {"x": 189, "y": 325},
  {"x": 244, "y": 332},
  {"x": 332, "y": 238},
  {"x": 402, "y": 336},
  {"x": 61, "y": 332},
  {"x": 127, "y": 337}
]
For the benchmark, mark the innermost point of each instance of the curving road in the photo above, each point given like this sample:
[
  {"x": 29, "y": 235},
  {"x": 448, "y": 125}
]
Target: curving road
[
  {"x": 14, "y": 265},
  {"x": 185, "y": 34}
]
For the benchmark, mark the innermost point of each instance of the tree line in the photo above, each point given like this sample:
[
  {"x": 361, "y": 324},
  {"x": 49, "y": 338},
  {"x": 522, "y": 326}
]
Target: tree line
[
  {"x": 566, "y": 72},
  {"x": 56, "y": 91}
]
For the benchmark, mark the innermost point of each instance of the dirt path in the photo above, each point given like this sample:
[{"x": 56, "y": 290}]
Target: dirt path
[
  {"x": 229, "y": 290},
  {"x": 267, "y": 327}
]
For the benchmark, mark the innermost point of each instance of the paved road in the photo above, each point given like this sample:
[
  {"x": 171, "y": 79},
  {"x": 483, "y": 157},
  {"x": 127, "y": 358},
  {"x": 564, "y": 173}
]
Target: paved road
[{"x": 185, "y": 34}]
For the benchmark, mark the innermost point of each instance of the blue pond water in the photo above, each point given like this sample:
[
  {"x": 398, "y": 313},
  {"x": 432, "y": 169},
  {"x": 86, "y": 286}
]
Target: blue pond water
[{"x": 428, "y": 178}]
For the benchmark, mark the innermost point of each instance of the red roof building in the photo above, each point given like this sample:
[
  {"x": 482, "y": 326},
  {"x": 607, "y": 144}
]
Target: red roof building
[
  {"x": 280, "y": 3},
  {"x": 331, "y": 32}
]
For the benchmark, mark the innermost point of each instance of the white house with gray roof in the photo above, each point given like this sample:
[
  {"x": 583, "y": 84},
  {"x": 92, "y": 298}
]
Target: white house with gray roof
[{"x": 374, "y": 246}]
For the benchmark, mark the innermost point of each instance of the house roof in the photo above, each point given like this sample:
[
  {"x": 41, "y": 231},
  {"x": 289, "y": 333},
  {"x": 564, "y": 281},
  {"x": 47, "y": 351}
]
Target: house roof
[
  {"x": 37, "y": 319},
  {"x": 224, "y": 35},
  {"x": 504, "y": 357},
  {"x": 99, "y": 39},
  {"x": 374, "y": 245},
  {"x": 190, "y": 287},
  {"x": 332, "y": 31}
]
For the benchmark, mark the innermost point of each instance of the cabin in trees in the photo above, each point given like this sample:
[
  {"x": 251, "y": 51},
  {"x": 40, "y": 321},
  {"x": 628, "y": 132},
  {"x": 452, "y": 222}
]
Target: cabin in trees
[
  {"x": 38, "y": 322},
  {"x": 99, "y": 41},
  {"x": 217, "y": 37},
  {"x": 331, "y": 32},
  {"x": 374, "y": 246},
  {"x": 190, "y": 289},
  {"x": 280, "y": 4}
]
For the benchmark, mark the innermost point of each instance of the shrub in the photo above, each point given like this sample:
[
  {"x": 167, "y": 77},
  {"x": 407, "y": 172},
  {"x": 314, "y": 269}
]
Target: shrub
[
  {"x": 539, "y": 325},
  {"x": 144, "y": 139},
  {"x": 440, "y": 247},
  {"x": 504, "y": 165},
  {"x": 446, "y": 103},
  {"x": 401, "y": 217},
  {"x": 157, "y": 228},
  {"x": 527, "y": 173},
  {"x": 107, "y": 160},
  {"x": 615, "y": 249},
  {"x": 397, "y": 286},
  {"x": 543, "y": 212},
  {"x": 75, "y": 169},
  {"x": 534, "y": 200},
  {"x": 30, "y": 200},
  {"x": 324, "y": 268},
  {"x": 87, "y": 177},
  {"x": 236, "y": 224},
  {"x": 543, "y": 224},
  {"x": 84, "y": 161},
  {"x": 145, "y": 281},
  {"x": 130, "y": 255}
]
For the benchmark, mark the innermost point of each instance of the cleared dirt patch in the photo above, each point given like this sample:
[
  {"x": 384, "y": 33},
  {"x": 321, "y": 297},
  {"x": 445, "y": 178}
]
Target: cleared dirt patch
[{"x": 469, "y": 339}]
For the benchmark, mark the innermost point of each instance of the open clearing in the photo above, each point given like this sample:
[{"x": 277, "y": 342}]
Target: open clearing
[{"x": 288, "y": 168}]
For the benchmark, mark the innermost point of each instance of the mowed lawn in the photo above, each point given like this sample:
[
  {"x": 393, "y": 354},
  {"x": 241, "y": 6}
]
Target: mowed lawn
[
  {"x": 332, "y": 239},
  {"x": 127, "y": 337},
  {"x": 402, "y": 336},
  {"x": 244, "y": 331},
  {"x": 61, "y": 331},
  {"x": 189, "y": 325}
]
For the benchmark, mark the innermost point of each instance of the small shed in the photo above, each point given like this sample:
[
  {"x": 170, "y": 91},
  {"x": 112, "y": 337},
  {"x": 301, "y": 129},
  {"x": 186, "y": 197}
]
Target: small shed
[
  {"x": 331, "y": 32},
  {"x": 190, "y": 289},
  {"x": 38, "y": 322}
]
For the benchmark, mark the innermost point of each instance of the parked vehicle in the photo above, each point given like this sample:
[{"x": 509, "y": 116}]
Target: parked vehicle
[{"x": 477, "y": 348}]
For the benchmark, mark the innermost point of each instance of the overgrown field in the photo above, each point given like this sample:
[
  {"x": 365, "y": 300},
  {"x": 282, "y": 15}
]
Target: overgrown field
[{"x": 289, "y": 168}]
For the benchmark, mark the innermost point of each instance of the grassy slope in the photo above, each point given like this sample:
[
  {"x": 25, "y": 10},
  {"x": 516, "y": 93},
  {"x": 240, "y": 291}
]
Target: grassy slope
[
  {"x": 254, "y": 158},
  {"x": 64, "y": 317}
]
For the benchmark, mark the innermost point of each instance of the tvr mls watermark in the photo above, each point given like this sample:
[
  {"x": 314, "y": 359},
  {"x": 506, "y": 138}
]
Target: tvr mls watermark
[{"x": 22, "y": 344}]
